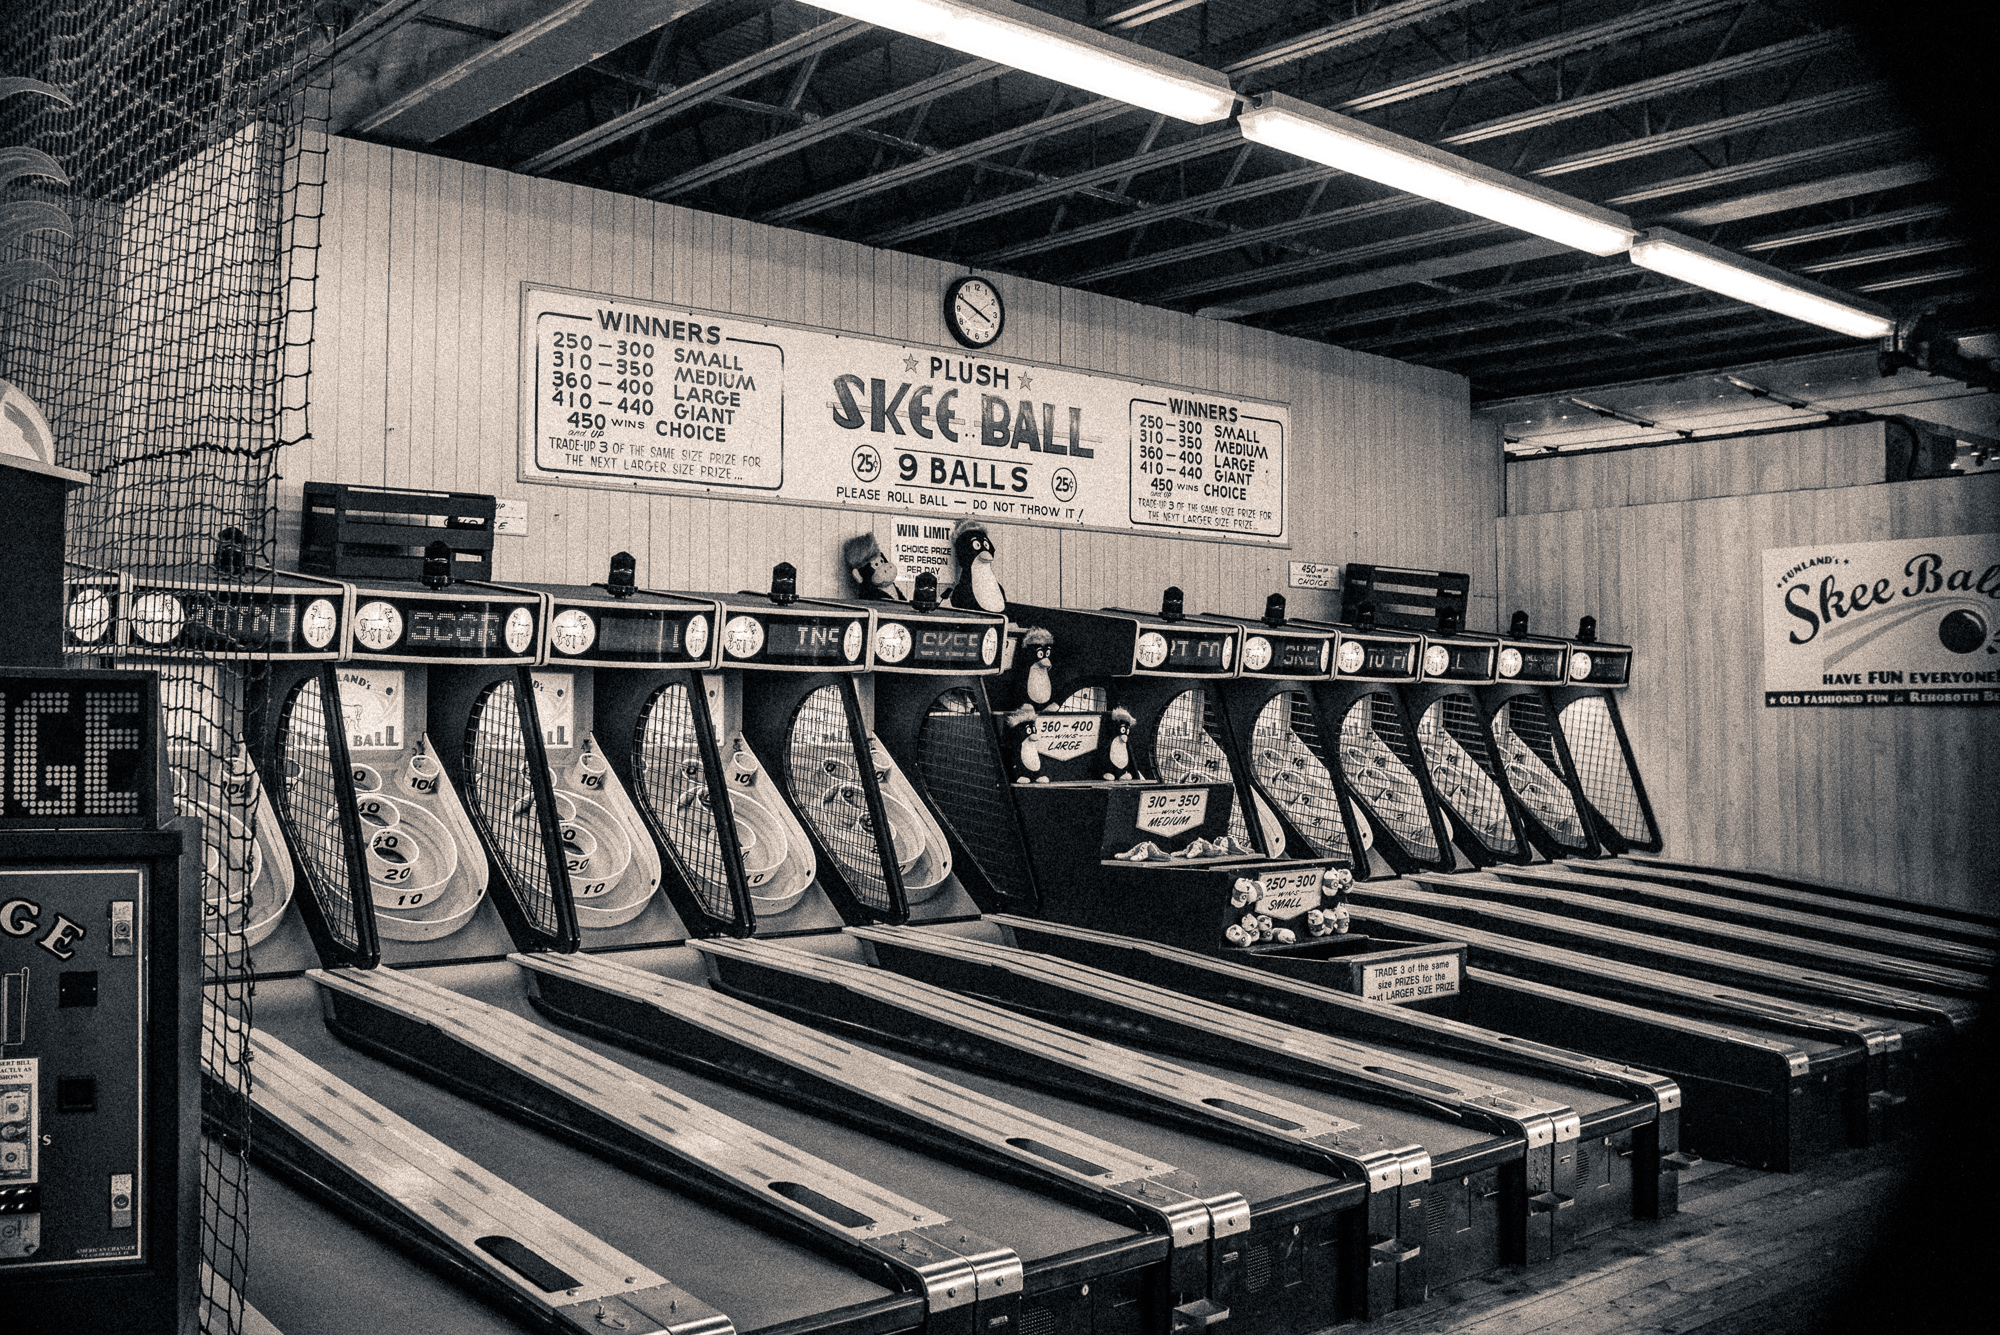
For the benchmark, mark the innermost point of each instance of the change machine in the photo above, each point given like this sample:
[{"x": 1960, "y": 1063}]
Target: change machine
[{"x": 100, "y": 924}]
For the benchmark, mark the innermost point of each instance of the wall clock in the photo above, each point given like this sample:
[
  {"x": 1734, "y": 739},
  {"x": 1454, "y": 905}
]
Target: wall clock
[{"x": 973, "y": 312}]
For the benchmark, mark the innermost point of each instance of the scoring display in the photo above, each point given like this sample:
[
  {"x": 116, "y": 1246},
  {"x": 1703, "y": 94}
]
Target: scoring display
[{"x": 444, "y": 629}]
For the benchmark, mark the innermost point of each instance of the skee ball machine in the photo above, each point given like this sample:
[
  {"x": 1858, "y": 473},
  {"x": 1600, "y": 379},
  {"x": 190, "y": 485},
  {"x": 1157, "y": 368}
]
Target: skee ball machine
[
  {"x": 785, "y": 684},
  {"x": 367, "y": 1137},
  {"x": 1132, "y": 810}
]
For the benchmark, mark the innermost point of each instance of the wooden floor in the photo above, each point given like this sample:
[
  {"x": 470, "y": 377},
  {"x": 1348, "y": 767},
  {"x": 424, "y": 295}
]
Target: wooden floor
[{"x": 1750, "y": 1253}]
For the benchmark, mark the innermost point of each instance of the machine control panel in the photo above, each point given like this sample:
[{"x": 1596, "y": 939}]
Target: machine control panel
[
  {"x": 591, "y": 626},
  {"x": 72, "y": 1057},
  {"x": 1533, "y": 662},
  {"x": 1372, "y": 655},
  {"x": 1469, "y": 660},
  {"x": 463, "y": 622},
  {"x": 1600, "y": 665},
  {"x": 801, "y": 636},
  {"x": 291, "y": 616}
]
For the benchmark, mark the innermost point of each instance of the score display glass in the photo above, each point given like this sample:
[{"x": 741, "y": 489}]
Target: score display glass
[
  {"x": 78, "y": 749},
  {"x": 637, "y": 636},
  {"x": 443, "y": 629},
  {"x": 791, "y": 641},
  {"x": 974, "y": 645}
]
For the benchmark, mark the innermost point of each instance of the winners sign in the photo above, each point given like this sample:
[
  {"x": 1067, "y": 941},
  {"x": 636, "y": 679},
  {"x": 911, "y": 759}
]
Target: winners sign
[
  {"x": 1915, "y": 621},
  {"x": 634, "y": 394}
]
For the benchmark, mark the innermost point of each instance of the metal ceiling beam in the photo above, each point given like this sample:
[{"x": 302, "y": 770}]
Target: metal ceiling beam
[
  {"x": 1385, "y": 20},
  {"x": 1826, "y": 191},
  {"x": 1376, "y": 280},
  {"x": 1523, "y": 315},
  {"x": 1622, "y": 327},
  {"x": 1152, "y": 213},
  {"x": 1248, "y": 236},
  {"x": 371, "y": 28},
  {"x": 1745, "y": 171},
  {"x": 937, "y": 160},
  {"x": 826, "y": 127},
  {"x": 1646, "y": 90},
  {"x": 1775, "y": 335},
  {"x": 1733, "y": 66},
  {"x": 565, "y": 40},
  {"x": 1916, "y": 279},
  {"x": 1721, "y": 128},
  {"x": 1883, "y": 254},
  {"x": 1144, "y": 12},
  {"x": 688, "y": 96},
  {"x": 1635, "y": 24},
  {"x": 1846, "y": 227},
  {"x": 1496, "y": 294},
  {"x": 1187, "y": 150},
  {"x": 1361, "y": 254}
]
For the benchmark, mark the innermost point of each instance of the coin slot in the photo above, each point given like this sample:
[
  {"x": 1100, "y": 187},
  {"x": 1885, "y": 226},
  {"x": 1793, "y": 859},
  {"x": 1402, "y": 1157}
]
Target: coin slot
[{"x": 76, "y": 1094}]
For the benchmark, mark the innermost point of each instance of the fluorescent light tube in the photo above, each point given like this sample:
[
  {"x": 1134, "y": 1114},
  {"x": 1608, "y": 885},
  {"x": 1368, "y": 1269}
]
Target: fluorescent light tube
[
  {"x": 1311, "y": 132},
  {"x": 1057, "y": 49},
  {"x": 1732, "y": 275}
]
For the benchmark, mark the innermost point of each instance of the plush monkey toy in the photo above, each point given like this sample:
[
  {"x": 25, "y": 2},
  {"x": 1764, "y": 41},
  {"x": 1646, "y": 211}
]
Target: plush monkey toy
[
  {"x": 1114, "y": 748},
  {"x": 977, "y": 585},
  {"x": 1031, "y": 666},
  {"x": 870, "y": 568}
]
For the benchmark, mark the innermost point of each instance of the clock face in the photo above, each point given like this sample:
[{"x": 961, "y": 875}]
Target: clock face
[
  {"x": 318, "y": 623},
  {"x": 1256, "y": 653},
  {"x": 1352, "y": 656},
  {"x": 892, "y": 642},
  {"x": 974, "y": 313},
  {"x": 1152, "y": 649}
]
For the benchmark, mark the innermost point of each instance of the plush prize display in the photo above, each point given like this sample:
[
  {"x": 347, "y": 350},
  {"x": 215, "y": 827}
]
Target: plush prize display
[
  {"x": 1114, "y": 747},
  {"x": 977, "y": 587},
  {"x": 872, "y": 570},
  {"x": 1020, "y": 742},
  {"x": 1031, "y": 666}
]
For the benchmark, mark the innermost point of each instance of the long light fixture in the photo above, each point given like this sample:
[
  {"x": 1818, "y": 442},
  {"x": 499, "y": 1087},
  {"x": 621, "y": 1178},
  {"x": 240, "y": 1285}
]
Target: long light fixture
[
  {"x": 1296, "y": 127},
  {"x": 1057, "y": 49},
  {"x": 1732, "y": 275}
]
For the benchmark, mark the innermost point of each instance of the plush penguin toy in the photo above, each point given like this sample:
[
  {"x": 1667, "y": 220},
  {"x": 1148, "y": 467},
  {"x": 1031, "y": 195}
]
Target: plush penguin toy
[
  {"x": 1031, "y": 666},
  {"x": 1021, "y": 739},
  {"x": 977, "y": 585},
  {"x": 871, "y": 569},
  {"x": 1114, "y": 748}
]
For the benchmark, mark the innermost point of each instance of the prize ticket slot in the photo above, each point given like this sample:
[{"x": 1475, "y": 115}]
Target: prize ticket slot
[
  {"x": 1586, "y": 710},
  {"x": 188, "y": 627},
  {"x": 1529, "y": 747},
  {"x": 1465, "y": 768},
  {"x": 1380, "y": 766},
  {"x": 98, "y": 974}
]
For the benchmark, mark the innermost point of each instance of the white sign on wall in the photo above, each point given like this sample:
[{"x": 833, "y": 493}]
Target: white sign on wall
[
  {"x": 635, "y": 394},
  {"x": 1914, "y": 621}
]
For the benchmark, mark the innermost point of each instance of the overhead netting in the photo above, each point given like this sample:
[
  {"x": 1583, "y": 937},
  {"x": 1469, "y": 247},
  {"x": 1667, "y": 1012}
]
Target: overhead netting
[{"x": 160, "y": 173}]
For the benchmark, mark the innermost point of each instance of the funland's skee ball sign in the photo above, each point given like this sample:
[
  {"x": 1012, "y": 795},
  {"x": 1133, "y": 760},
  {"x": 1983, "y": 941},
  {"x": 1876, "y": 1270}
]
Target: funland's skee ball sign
[
  {"x": 638, "y": 395},
  {"x": 1914, "y": 621}
]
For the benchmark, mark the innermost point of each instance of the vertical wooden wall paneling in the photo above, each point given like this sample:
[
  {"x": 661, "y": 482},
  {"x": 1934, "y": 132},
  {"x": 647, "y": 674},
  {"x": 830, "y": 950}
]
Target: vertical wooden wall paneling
[{"x": 1887, "y": 797}]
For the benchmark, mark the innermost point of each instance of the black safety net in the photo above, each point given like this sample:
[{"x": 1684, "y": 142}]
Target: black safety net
[
  {"x": 1289, "y": 766},
  {"x": 1378, "y": 762},
  {"x": 1453, "y": 737},
  {"x": 308, "y": 780},
  {"x": 673, "y": 783},
  {"x": 159, "y": 220},
  {"x": 959, "y": 764},
  {"x": 500, "y": 792},
  {"x": 1603, "y": 769},
  {"x": 1527, "y": 752},
  {"x": 827, "y": 786}
]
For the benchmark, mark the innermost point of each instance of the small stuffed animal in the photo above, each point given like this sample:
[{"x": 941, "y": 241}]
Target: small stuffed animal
[
  {"x": 1031, "y": 665},
  {"x": 977, "y": 587},
  {"x": 1114, "y": 751},
  {"x": 872, "y": 570},
  {"x": 1021, "y": 737}
]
